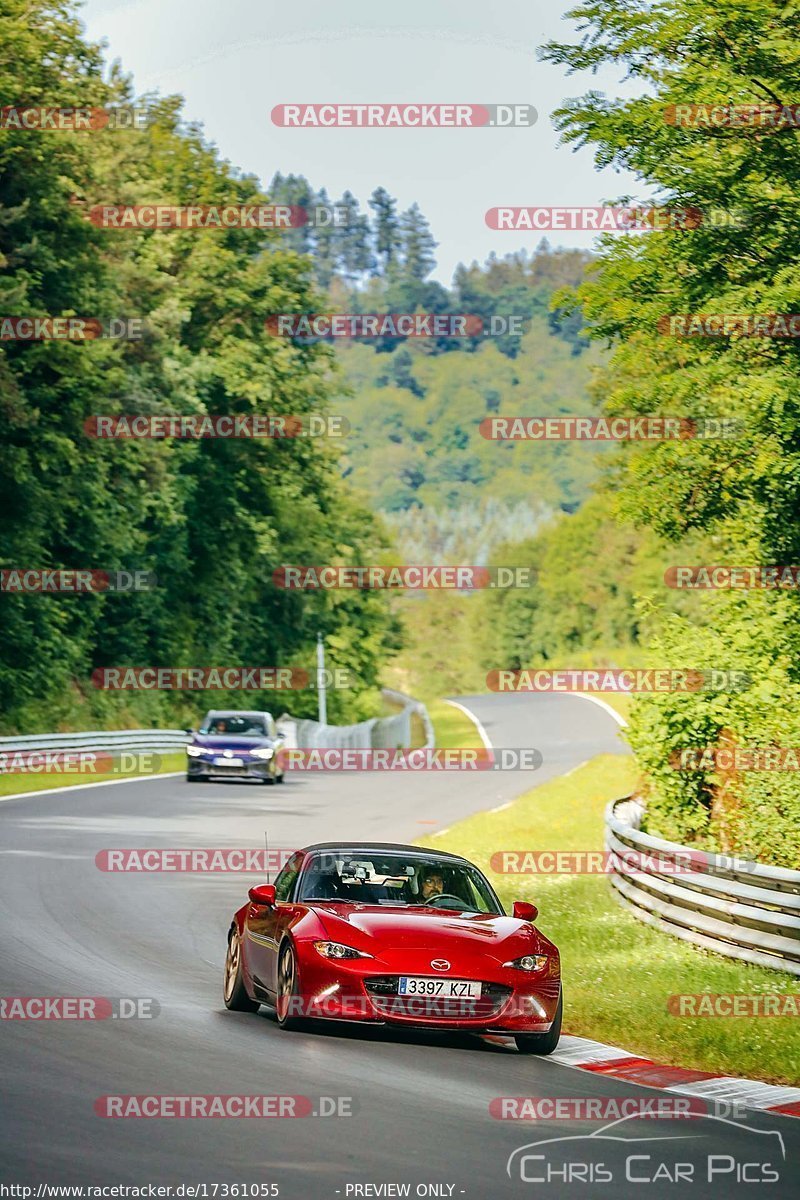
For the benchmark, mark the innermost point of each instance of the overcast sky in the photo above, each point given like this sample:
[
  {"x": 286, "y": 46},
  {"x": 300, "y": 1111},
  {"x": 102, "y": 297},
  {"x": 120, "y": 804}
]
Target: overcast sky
[{"x": 234, "y": 60}]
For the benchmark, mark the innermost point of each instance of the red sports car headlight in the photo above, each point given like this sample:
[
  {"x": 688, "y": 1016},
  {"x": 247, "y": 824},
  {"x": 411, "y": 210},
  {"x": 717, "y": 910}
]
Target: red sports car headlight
[
  {"x": 528, "y": 962},
  {"x": 337, "y": 950}
]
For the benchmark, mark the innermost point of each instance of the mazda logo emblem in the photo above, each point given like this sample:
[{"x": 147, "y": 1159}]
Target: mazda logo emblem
[{"x": 440, "y": 964}]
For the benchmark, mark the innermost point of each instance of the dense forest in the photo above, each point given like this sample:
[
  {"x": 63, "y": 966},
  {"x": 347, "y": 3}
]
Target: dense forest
[
  {"x": 416, "y": 449},
  {"x": 211, "y": 519},
  {"x": 415, "y": 405},
  {"x": 601, "y": 596},
  {"x": 738, "y": 497}
]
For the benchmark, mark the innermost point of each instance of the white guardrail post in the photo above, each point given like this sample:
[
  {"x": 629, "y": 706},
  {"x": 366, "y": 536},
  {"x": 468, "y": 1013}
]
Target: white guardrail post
[{"x": 733, "y": 906}]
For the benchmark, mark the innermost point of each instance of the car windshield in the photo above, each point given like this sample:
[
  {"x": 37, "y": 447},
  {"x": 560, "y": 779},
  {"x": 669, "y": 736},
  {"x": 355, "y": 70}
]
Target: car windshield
[
  {"x": 235, "y": 727},
  {"x": 370, "y": 877}
]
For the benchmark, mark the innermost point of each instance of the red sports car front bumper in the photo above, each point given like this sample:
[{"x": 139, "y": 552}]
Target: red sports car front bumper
[{"x": 511, "y": 1001}]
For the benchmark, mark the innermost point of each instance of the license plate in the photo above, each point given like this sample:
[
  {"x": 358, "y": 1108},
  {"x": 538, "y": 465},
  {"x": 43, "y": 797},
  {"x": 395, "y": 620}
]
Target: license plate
[
  {"x": 414, "y": 985},
  {"x": 229, "y": 762}
]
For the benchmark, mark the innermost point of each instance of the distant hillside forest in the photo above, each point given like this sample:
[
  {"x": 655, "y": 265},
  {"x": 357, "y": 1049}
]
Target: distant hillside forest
[
  {"x": 381, "y": 260},
  {"x": 415, "y": 450}
]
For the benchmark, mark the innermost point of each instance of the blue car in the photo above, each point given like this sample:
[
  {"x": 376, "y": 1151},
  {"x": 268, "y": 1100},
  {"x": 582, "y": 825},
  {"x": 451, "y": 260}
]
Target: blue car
[{"x": 234, "y": 745}]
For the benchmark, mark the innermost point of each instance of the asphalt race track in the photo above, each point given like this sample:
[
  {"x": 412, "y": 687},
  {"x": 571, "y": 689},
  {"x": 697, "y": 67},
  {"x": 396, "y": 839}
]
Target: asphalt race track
[{"x": 420, "y": 1101}]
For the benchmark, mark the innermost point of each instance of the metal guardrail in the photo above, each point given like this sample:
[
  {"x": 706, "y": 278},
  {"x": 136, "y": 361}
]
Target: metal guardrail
[
  {"x": 143, "y": 740},
  {"x": 413, "y": 706},
  {"x": 383, "y": 732},
  {"x": 745, "y": 910},
  {"x": 377, "y": 733}
]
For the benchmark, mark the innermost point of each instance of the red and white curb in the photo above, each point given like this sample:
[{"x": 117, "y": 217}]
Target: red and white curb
[{"x": 586, "y": 1055}]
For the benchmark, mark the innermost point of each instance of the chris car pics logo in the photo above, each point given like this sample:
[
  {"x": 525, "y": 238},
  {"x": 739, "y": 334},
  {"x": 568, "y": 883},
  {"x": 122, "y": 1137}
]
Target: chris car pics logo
[{"x": 715, "y": 1150}]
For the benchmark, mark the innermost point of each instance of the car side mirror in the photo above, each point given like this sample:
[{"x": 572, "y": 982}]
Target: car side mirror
[
  {"x": 190, "y": 732},
  {"x": 263, "y": 894},
  {"x": 524, "y": 911}
]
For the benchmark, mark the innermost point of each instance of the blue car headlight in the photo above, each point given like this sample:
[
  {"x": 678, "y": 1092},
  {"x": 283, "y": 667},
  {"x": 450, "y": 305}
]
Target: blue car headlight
[
  {"x": 263, "y": 752},
  {"x": 196, "y": 751}
]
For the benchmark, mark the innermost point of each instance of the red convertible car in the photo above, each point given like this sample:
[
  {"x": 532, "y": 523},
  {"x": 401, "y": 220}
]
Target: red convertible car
[{"x": 390, "y": 934}]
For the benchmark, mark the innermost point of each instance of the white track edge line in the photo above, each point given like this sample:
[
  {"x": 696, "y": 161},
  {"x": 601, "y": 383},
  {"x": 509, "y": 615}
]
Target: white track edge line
[
  {"x": 82, "y": 787},
  {"x": 476, "y": 722},
  {"x": 612, "y": 712}
]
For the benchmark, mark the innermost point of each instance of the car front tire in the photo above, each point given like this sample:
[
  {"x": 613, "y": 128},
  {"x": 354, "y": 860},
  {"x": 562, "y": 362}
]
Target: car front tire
[
  {"x": 288, "y": 997},
  {"x": 542, "y": 1043},
  {"x": 234, "y": 992}
]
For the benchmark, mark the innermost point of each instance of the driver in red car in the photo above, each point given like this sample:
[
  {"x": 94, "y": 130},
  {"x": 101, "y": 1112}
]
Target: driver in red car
[{"x": 431, "y": 885}]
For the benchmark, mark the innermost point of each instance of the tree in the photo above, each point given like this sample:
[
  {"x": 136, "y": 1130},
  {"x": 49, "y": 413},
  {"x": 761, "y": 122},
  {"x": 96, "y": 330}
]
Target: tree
[
  {"x": 417, "y": 245},
  {"x": 295, "y": 191},
  {"x": 326, "y": 245},
  {"x": 386, "y": 229},
  {"x": 355, "y": 254},
  {"x": 742, "y": 490},
  {"x": 213, "y": 518}
]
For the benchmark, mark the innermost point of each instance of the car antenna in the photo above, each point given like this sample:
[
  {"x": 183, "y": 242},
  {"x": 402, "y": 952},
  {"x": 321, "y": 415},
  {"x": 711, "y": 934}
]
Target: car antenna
[{"x": 266, "y": 855}]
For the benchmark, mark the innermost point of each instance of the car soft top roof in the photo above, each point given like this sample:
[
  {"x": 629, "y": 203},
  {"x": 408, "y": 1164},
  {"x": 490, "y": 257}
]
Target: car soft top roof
[{"x": 382, "y": 847}]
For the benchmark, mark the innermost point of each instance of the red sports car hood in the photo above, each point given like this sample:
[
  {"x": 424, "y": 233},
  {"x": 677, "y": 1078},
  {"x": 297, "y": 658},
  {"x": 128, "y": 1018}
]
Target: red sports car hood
[{"x": 367, "y": 927}]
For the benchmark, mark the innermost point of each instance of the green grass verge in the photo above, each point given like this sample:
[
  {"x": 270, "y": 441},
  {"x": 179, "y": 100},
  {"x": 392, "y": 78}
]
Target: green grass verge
[
  {"x": 620, "y": 702},
  {"x": 453, "y": 728},
  {"x": 18, "y": 784},
  {"x": 618, "y": 973}
]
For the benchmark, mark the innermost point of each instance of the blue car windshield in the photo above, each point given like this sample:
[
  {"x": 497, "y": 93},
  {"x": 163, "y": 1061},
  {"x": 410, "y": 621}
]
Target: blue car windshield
[{"x": 235, "y": 727}]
